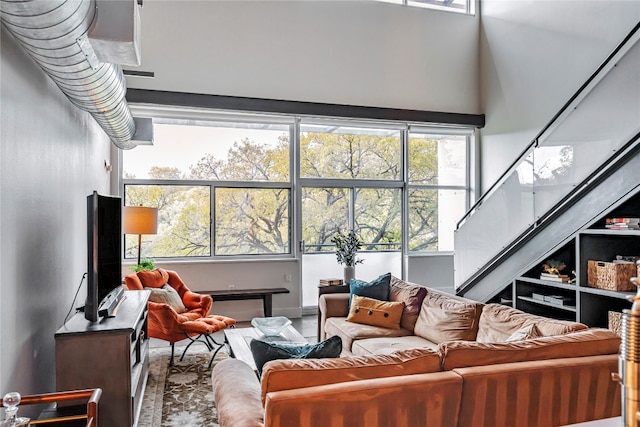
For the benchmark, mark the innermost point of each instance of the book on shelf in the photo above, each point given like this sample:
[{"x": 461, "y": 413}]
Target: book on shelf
[
  {"x": 622, "y": 220},
  {"x": 626, "y": 223},
  {"x": 331, "y": 282},
  {"x": 563, "y": 278},
  {"x": 622, "y": 227},
  {"x": 559, "y": 300},
  {"x": 537, "y": 296}
]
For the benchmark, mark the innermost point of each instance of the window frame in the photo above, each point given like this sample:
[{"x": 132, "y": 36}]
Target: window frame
[
  {"x": 296, "y": 183},
  {"x": 428, "y": 130},
  {"x": 469, "y": 9}
]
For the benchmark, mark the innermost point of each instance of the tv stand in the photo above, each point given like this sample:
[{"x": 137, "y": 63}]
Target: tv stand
[
  {"x": 112, "y": 354},
  {"x": 109, "y": 304}
]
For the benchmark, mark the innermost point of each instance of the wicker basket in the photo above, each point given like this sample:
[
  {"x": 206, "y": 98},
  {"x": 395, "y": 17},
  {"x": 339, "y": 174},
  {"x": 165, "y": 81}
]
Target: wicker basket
[
  {"x": 615, "y": 322},
  {"x": 610, "y": 276}
]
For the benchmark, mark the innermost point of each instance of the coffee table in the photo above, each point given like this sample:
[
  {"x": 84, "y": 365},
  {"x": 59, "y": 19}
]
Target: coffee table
[{"x": 239, "y": 339}]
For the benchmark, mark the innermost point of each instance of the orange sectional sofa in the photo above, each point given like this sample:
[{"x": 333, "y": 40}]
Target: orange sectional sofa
[{"x": 559, "y": 378}]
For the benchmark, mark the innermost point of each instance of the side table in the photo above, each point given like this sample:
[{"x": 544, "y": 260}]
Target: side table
[{"x": 330, "y": 289}]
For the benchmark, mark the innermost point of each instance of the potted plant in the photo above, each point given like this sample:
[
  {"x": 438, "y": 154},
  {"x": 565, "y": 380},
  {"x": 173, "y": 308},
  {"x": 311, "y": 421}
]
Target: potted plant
[
  {"x": 347, "y": 246},
  {"x": 145, "y": 264}
]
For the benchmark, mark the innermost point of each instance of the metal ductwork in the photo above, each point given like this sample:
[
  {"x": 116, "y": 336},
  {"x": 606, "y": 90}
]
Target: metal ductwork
[{"x": 55, "y": 35}]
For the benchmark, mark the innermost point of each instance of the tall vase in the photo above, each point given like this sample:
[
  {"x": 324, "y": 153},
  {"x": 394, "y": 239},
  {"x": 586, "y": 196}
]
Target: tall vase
[{"x": 349, "y": 273}]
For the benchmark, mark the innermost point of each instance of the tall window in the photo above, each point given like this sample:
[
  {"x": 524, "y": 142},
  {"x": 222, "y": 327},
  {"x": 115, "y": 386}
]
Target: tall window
[
  {"x": 438, "y": 189},
  {"x": 228, "y": 187},
  {"x": 352, "y": 179},
  {"x": 221, "y": 188}
]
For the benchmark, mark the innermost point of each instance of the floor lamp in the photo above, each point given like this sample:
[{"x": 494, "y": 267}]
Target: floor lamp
[{"x": 140, "y": 220}]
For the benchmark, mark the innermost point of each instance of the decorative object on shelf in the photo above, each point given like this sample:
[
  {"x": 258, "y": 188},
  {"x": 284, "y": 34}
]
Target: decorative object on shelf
[
  {"x": 613, "y": 276},
  {"x": 552, "y": 269},
  {"x": 140, "y": 220},
  {"x": 11, "y": 401},
  {"x": 270, "y": 326},
  {"x": 347, "y": 246},
  {"x": 629, "y": 359}
]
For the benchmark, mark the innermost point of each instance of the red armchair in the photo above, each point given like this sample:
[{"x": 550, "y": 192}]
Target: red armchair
[{"x": 175, "y": 320}]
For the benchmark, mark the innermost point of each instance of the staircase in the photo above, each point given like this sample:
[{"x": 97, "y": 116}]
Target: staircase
[{"x": 582, "y": 164}]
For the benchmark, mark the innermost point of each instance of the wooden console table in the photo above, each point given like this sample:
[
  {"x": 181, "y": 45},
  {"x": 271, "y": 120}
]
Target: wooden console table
[
  {"x": 266, "y": 295},
  {"x": 112, "y": 354}
]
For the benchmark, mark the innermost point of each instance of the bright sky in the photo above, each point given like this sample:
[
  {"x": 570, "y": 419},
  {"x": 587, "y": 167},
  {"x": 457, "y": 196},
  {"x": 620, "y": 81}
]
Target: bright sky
[{"x": 182, "y": 146}]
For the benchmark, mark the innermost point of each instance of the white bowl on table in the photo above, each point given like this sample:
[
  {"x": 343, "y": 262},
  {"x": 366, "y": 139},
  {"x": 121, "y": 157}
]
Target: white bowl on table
[{"x": 270, "y": 326}]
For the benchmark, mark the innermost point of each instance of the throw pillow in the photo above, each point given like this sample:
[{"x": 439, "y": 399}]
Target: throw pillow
[
  {"x": 412, "y": 295},
  {"x": 167, "y": 295},
  {"x": 377, "y": 288},
  {"x": 373, "y": 312},
  {"x": 153, "y": 278},
  {"x": 264, "y": 351},
  {"x": 525, "y": 333},
  {"x": 446, "y": 318}
]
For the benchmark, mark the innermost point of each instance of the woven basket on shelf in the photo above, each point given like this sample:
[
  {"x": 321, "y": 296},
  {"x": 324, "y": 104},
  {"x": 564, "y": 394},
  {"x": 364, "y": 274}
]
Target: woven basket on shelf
[
  {"x": 615, "y": 322},
  {"x": 610, "y": 276}
]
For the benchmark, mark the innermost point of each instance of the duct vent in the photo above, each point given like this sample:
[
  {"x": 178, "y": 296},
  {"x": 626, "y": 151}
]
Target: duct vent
[{"x": 115, "y": 32}]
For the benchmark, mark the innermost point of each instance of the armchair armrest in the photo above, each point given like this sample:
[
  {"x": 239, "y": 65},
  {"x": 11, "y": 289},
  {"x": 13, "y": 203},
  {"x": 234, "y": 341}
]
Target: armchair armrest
[
  {"x": 332, "y": 305},
  {"x": 194, "y": 301}
]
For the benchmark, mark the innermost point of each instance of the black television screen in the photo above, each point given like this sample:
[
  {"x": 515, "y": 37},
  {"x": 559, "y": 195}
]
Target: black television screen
[{"x": 104, "y": 243}]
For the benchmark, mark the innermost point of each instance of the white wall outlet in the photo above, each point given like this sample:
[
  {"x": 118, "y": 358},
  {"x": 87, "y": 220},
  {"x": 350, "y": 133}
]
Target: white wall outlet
[
  {"x": 232, "y": 287},
  {"x": 287, "y": 278}
]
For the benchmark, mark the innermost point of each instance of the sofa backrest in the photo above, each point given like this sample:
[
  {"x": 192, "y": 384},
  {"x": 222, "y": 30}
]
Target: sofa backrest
[
  {"x": 539, "y": 394},
  {"x": 498, "y": 322},
  {"x": 298, "y": 373},
  {"x": 405, "y": 401},
  {"x": 589, "y": 342},
  {"x": 446, "y": 317}
]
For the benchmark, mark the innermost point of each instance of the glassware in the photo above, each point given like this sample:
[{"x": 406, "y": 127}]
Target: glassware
[{"x": 11, "y": 401}]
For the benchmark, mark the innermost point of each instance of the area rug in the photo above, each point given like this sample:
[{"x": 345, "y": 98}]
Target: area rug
[{"x": 179, "y": 396}]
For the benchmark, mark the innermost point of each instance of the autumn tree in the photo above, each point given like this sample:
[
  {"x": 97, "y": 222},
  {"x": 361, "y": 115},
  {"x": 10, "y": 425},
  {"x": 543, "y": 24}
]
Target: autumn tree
[{"x": 256, "y": 219}]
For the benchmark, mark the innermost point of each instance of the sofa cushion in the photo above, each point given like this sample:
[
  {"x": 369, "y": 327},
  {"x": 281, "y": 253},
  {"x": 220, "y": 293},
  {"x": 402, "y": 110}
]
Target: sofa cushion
[
  {"x": 348, "y": 331},
  {"x": 498, "y": 322},
  {"x": 264, "y": 352},
  {"x": 589, "y": 342},
  {"x": 292, "y": 374},
  {"x": 444, "y": 317},
  {"x": 390, "y": 345},
  {"x": 412, "y": 296},
  {"x": 378, "y": 288},
  {"x": 369, "y": 311}
]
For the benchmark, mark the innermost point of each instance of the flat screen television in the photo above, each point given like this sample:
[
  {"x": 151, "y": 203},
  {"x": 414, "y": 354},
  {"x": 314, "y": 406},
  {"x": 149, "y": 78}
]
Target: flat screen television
[{"x": 104, "y": 263}]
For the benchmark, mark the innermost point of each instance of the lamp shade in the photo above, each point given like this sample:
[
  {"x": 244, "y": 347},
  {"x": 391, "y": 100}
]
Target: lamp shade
[{"x": 140, "y": 220}]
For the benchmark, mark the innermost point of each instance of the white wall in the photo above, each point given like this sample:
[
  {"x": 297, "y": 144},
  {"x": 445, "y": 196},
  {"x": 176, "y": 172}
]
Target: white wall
[
  {"x": 434, "y": 271},
  {"x": 51, "y": 158},
  {"x": 343, "y": 52},
  {"x": 534, "y": 56}
]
